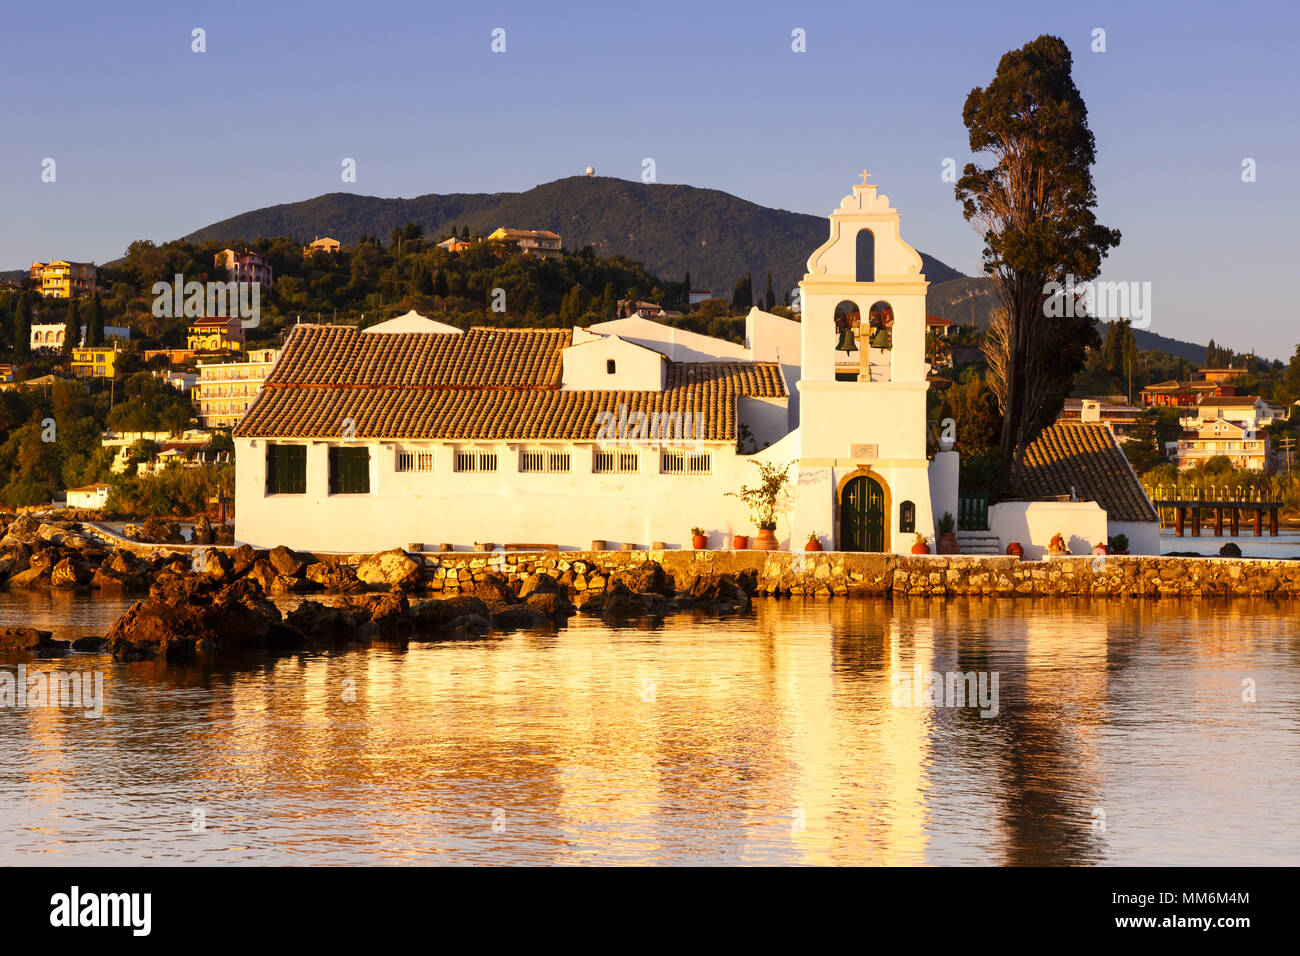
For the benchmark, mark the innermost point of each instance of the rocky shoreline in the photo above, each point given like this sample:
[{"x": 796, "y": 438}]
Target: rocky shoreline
[{"x": 207, "y": 600}]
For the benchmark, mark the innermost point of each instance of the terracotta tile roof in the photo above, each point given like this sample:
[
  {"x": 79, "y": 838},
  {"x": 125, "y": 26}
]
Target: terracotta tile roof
[
  {"x": 1244, "y": 401},
  {"x": 485, "y": 358},
  {"x": 1085, "y": 458},
  {"x": 488, "y": 385}
]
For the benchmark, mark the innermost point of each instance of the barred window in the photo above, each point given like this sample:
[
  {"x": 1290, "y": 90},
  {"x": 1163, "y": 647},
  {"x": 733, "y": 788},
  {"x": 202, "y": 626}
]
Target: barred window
[
  {"x": 476, "y": 461},
  {"x": 414, "y": 460},
  {"x": 535, "y": 461},
  {"x": 286, "y": 469},
  {"x": 686, "y": 463},
  {"x": 615, "y": 462}
]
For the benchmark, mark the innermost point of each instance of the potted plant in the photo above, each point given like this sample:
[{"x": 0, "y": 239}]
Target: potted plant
[
  {"x": 764, "y": 500},
  {"x": 919, "y": 546},
  {"x": 947, "y": 543},
  {"x": 814, "y": 543},
  {"x": 699, "y": 540},
  {"x": 740, "y": 542},
  {"x": 1057, "y": 544},
  {"x": 1119, "y": 544},
  {"x": 1016, "y": 549},
  {"x": 1100, "y": 548}
]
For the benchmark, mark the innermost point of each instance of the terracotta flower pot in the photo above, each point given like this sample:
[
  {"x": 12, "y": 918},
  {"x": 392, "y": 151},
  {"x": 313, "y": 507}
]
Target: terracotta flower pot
[
  {"x": 699, "y": 541},
  {"x": 765, "y": 541},
  {"x": 1016, "y": 549},
  {"x": 948, "y": 543},
  {"x": 920, "y": 548},
  {"x": 740, "y": 542},
  {"x": 813, "y": 545},
  {"x": 1101, "y": 549}
]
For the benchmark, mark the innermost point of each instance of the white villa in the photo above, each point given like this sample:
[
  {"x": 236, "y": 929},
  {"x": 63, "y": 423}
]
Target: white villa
[
  {"x": 49, "y": 335},
  {"x": 632, "y": 432}
]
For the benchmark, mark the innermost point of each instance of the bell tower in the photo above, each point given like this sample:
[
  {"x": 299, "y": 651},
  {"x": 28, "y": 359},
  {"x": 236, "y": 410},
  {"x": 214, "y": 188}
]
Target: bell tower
[{"x": 862, "y": 416}]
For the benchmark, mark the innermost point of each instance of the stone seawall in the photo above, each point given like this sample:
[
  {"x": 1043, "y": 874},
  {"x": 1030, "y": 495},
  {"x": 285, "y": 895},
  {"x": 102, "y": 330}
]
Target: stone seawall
[{"x": 852, "y": 574}]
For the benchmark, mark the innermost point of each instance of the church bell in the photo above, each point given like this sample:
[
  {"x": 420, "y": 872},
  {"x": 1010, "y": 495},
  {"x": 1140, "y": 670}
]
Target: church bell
[{"x": 847, "y": 342}]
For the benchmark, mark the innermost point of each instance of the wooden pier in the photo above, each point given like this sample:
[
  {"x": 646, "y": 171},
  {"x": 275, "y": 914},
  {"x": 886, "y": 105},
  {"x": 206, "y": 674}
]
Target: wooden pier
[{"x": 1185, "y": 509}]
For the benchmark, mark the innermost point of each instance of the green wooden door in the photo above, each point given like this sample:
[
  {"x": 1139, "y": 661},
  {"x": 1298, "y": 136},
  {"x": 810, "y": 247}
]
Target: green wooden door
[{"x": 862, "y": 515}]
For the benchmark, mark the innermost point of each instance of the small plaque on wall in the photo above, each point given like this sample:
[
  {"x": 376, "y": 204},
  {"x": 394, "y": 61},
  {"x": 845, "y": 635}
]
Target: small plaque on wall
[{"x": 864, "y": 451}]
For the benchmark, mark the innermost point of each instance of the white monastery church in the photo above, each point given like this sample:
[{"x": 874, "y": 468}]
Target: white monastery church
[{"x": 633, "y": 432}]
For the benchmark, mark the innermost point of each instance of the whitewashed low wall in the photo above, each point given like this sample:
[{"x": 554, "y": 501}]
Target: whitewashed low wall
[
  {"x": 1033, "y": 523},
  {"x": 1143, "y": 536}
]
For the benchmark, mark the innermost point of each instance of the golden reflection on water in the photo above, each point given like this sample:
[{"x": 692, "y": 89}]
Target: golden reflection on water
[{"x": 765, "y": 739}]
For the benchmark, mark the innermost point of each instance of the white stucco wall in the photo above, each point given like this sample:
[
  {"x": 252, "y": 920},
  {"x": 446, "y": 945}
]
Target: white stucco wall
[
  {"x": 1033, "y": 523},
  {"x": 678, "y": 344},
  {"x": 569, "y": 509},
  {"x": 636, "y": 368},
  {"x": 1143, "y": 536},
  {"x": 944, "y": 481}
]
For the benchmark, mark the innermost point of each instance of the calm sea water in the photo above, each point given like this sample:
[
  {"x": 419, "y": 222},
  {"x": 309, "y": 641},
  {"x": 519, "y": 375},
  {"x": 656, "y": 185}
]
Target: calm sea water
[{"x": 1121, "y": 738}]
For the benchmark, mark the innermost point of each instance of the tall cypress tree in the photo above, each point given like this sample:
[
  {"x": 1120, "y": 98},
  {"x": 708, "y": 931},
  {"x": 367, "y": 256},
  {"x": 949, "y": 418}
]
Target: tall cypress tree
[
  {"x": 95, "y": 321},
  {"x": 72, "y": 328},
  {"x": 1034, "y": 205},
  {"x": 769, "y": 297},
  {"x": 23, "y": 327}
]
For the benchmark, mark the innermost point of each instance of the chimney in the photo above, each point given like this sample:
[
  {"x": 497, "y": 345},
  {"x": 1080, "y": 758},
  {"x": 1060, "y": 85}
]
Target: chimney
[{"x": 1091, "y": 410}]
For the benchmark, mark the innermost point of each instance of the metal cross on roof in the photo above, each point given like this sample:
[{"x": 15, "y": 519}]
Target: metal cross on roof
[{"x": 865, "y": 176}]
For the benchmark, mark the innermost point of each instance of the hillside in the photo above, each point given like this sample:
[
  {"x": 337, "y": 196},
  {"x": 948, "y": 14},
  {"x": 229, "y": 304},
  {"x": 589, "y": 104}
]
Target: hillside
[
  {"x": 671, "y": 229},
  {"x": 969, "y": 300}
]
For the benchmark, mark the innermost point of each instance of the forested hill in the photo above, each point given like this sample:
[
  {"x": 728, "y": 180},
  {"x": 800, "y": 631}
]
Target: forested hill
[{"x": 671, "y": 229}]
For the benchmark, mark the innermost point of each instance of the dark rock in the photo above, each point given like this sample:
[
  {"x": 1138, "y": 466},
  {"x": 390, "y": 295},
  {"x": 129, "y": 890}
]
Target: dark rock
[
  {"x": 202, "y": 533},
  {"x": 440, "y": 612},
  {"x": 325, "y": 624},
  {"x": 1230, "y": 550},
  {"x": 31, "y": 578},
  {"x": 334, "y": 577},
  {"x": 184, "y": 616},
  {"x": 645, "y": 578},
  {"x": 28, "y": 639},
  {"x": 514, "y": 616},
  {"x": 242, "y": 559},
  {"x": 495, "y": 589},
  {"x": 90, "y": 643},
  {"x": 285, "y": 561},
  {"x": 468, "y": 625},
  {"x": 69, "y": 574},
  {"x": 553, "y": 604},
  {"x": 388, "y": 568},
  {"x": 541, "y": 584}
]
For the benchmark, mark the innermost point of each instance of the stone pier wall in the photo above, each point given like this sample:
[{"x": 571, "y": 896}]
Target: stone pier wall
[{"x": 853, "y": 574}]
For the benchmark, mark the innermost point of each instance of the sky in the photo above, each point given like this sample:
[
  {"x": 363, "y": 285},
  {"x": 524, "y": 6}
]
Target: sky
[{"x": 153, "y": 140}]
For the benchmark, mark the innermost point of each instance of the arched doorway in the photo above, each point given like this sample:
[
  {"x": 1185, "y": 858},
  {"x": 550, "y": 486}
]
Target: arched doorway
[{"x": 862, "y": 514}]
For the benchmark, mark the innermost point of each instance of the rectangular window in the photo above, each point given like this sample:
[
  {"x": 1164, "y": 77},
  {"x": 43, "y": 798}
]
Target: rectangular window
[
  {"x": 476, "y": 461},
  {"x": 286, "y": 469},
  {"x": 687, "y": 463},
  {"x": 538, "y": 461},
  {"x": 614, "y": 462},
  {"x": 349, "y": 471}
]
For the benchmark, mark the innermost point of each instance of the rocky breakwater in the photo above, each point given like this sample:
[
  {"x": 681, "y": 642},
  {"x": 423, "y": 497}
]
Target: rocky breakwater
[{"x": 226, "y": 608}]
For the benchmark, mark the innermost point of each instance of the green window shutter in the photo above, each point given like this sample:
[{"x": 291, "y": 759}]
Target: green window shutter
[
  {"x": 286, "y": 469},
  {"x": 349, "y": 471}
]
